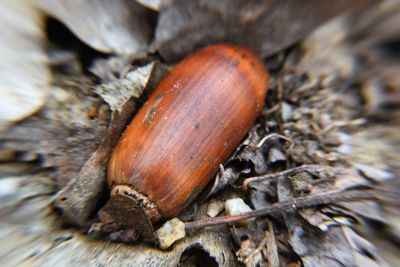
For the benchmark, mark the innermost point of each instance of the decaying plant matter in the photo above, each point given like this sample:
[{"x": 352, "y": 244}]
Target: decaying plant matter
[{"x": 319, "y": 169}]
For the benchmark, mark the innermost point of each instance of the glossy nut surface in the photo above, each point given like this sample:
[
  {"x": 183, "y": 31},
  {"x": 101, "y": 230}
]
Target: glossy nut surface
[{"x": 190, "y": 124}]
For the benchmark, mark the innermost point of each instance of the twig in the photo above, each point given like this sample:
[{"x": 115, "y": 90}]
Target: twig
[
  {"x": 288, "y": 206},
  {"x": 271, "y": 110},
  {"x": 216, "y": 181},
  {"x": 258, "y": 249},
  {"x": 272, "y": 250},
  {"x": 275, "y": 135},
  {"x": 312, "y": 168},
  {"x": 339, "y": 124}
]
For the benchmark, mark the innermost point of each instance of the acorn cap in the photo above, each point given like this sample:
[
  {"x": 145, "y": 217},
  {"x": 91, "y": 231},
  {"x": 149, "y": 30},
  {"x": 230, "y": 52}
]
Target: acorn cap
[{"x": 127, "y": 213}]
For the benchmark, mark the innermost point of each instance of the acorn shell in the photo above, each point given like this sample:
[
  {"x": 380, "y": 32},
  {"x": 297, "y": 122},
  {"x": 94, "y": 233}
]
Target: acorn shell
[{"x": 190, "y": 124}]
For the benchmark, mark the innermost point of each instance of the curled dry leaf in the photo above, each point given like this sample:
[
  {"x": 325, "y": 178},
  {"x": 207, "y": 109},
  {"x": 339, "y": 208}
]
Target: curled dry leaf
[
  {"x": 79, "y": 198},
  {"x": 119, "y": 27},
  {"x": 25, "y": 77},
  {"x": 184, "y": 26}
]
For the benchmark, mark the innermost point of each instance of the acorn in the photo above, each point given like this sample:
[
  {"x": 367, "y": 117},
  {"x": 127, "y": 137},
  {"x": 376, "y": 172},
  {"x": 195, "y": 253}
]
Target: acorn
[{"x": 191, "y": 123}]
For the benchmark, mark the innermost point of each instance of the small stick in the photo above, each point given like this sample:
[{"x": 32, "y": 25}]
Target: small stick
[
  {"x": 259, "y": 248},
  {"x": 272, "y": 110},
  {"x": 339, "y": 124},
  {"x": 307, "y": 167},
  {"x": 272, "y": 250},
  {"x": 288, "y": 206},
  {"x": 275, "y": 135}
]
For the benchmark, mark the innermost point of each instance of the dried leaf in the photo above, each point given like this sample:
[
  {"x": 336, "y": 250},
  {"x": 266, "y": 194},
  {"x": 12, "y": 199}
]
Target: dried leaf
[
  {"x": 185, "y": 25},
  {"x": 119, "y": 26},
  {"x": 367, "y": 209},
  {"x": 330, "y": 248},
  {"x": 272, "y": 249},
  {"x": 68, "y": 141},
  {"x": 132, "y": 85},
  {"x": 25, "y": 76},
  {"x": 364, "y": 253},
  {"x": 78, "y": 200}
]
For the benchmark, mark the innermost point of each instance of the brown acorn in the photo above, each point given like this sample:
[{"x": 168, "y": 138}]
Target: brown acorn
[{"x": 190, "y": 124}]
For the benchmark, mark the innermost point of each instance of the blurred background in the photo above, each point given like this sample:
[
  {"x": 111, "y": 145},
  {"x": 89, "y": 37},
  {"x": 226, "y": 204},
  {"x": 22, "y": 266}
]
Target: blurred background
[{"x": 73, "y": 73}]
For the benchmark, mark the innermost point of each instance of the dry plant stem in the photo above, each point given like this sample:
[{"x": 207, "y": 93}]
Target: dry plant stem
[
  {"x": 339, "y": 124},
  {"x": 272, "y": 250},
  {"x": 274, "y": 135},
  {"x": 79, "y": 198},
  {"x": 259, "y": 248},
  {"x": 271, "y": 110},
  {"x": 288, "y": 206},
  {"x": 309, "y": 168}
]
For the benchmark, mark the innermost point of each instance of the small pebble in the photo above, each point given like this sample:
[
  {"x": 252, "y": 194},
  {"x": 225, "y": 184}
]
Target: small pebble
[
  {"x": 172, "y": 231},
  {"x": 215, "y": 208},
  {"x": 236, "y": 206},
  {"x": 286, "y": 111}
]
